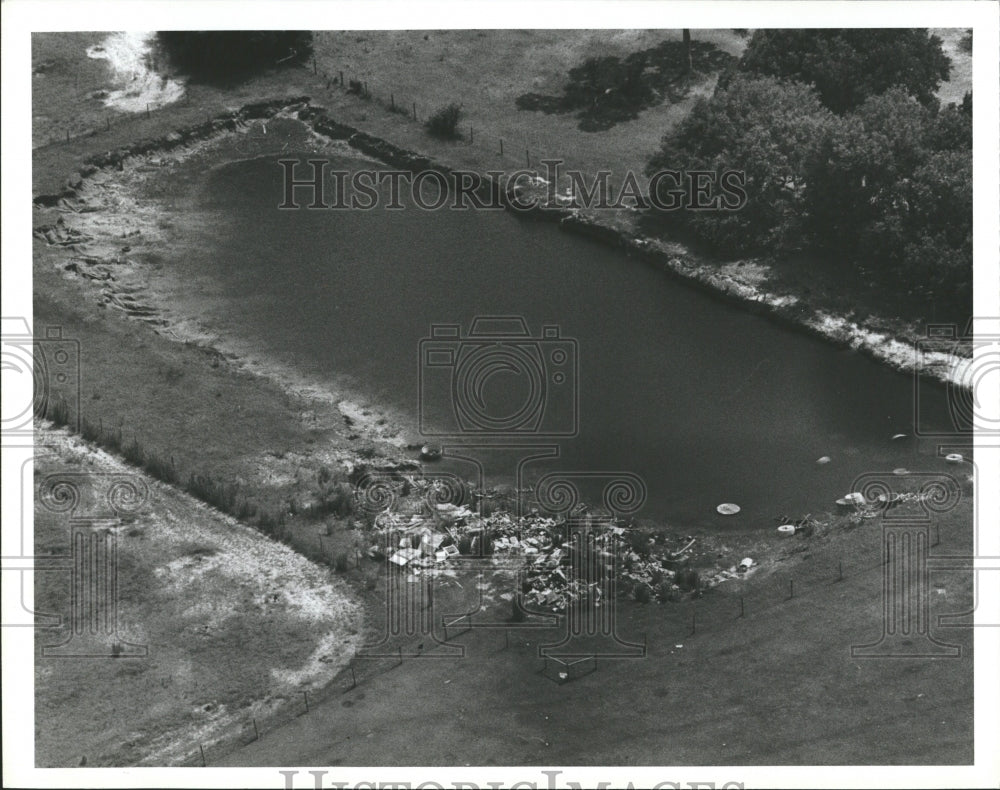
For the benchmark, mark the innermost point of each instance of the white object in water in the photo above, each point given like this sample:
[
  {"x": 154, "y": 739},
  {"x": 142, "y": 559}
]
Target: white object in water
[
  {"x": 898, "y": 436},
  {"x": 901, "y": 470},
  {"x": 728, "y": 509},
  {"x": 855, "y": 498},
  {"x": 825, "y": 459},
  {"x": 954, "y": 458},
  {"x": 746, "y": 563},
  {"x": 787, "y": 529}
]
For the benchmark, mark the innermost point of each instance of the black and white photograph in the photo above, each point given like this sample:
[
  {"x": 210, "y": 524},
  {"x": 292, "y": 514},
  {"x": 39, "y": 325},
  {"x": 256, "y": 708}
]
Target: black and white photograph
[{"x": 468, "y": 395}]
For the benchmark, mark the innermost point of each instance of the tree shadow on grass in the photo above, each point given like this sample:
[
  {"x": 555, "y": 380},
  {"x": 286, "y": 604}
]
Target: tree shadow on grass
[{"x": 606, "y": 91}]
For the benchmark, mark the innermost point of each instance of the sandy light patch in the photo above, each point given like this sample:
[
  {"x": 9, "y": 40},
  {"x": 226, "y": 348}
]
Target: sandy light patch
[{"x": 141, "y": 87}]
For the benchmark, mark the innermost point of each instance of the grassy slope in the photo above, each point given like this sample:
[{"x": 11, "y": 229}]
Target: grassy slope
[{"x": 235, "y": 623}]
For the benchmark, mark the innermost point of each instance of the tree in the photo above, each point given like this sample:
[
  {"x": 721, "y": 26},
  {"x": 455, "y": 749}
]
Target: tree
[
  {"x": 227, "y": 54},
  {"x": 849, "y": 65},
  {"x": 890, "y": 193},
  {"x": 765, "y": 128}
]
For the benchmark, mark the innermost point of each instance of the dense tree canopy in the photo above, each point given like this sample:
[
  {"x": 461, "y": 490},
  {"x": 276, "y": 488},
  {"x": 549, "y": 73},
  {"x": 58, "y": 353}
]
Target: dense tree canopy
[
  {"x": 768, "y": 130},
  {"x": 882, "y": 186},
  {"x": 848, "y": 66},
  {"x": 224, "y": 54}
]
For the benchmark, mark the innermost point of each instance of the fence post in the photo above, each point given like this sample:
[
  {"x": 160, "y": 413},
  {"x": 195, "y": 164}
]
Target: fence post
[
  {"x": 791, "y": 588},
  {"x": 501, "y": 146},
  {"x": 354, "y": 678},
  {"x": 256, "y": 732},
  {"x": 527, "y": 159},
  {"x": 306, "y": 695},
  {"x": 314, "y": 64},
  {"x": 414, "y": 111},
  {"x": 342, "y": 79},
  {"x": 203, "y": 763}
]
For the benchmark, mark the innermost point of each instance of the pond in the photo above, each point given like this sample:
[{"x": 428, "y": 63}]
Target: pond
[{"x": 705, "y": 402}]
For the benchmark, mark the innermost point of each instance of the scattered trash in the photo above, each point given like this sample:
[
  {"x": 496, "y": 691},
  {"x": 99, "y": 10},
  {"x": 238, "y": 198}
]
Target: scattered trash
[
  {"x": 430, "y": 452},
  {"x": 678, "y": 646},
  {"x": 898, "y": 436},
  {"x": 823, "y": 459},
  {"x": 745, "y": 564},
  {"x": 787, "y": 529},
  {"x": 954, "y": 458},
  {"x": 854, "y": 498},
  {"x": 728, "y": 509}
]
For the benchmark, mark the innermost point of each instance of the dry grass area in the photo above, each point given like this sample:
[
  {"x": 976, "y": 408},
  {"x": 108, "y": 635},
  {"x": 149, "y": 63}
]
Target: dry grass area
[{"x": 236, "y": 625}]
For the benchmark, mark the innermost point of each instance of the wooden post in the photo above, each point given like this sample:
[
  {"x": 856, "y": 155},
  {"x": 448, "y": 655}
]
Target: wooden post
[
  {"x": 501, "y": 146},
  {"x": 147, "y": 109},
  {"x": 470, "y": 135},
  {"x": 256, "y": 732},
  {"x": 414, "y": 111},
  {"x": 306, "y": 695},
  {"x": 341, "y": 79},
  {"x": 314, "y": 64},
  {"x": 527, "y": 159},
  {"x": 791, "y": 588},
  {"x": 203, "y": 763},
  {"x": 354, "y": 678}
]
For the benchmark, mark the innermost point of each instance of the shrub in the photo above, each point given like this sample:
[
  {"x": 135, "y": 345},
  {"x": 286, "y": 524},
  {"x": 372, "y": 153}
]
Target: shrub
[
  {"x": 444, "y": 122},
  {"x": 340, "y": 563}
]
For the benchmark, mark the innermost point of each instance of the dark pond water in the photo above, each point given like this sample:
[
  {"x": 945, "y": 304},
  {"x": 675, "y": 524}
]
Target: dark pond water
[{"x": 703, "y": 401}]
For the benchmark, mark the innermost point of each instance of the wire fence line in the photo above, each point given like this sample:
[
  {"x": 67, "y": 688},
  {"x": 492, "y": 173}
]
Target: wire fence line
[{"x": 696, "y": 618}]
